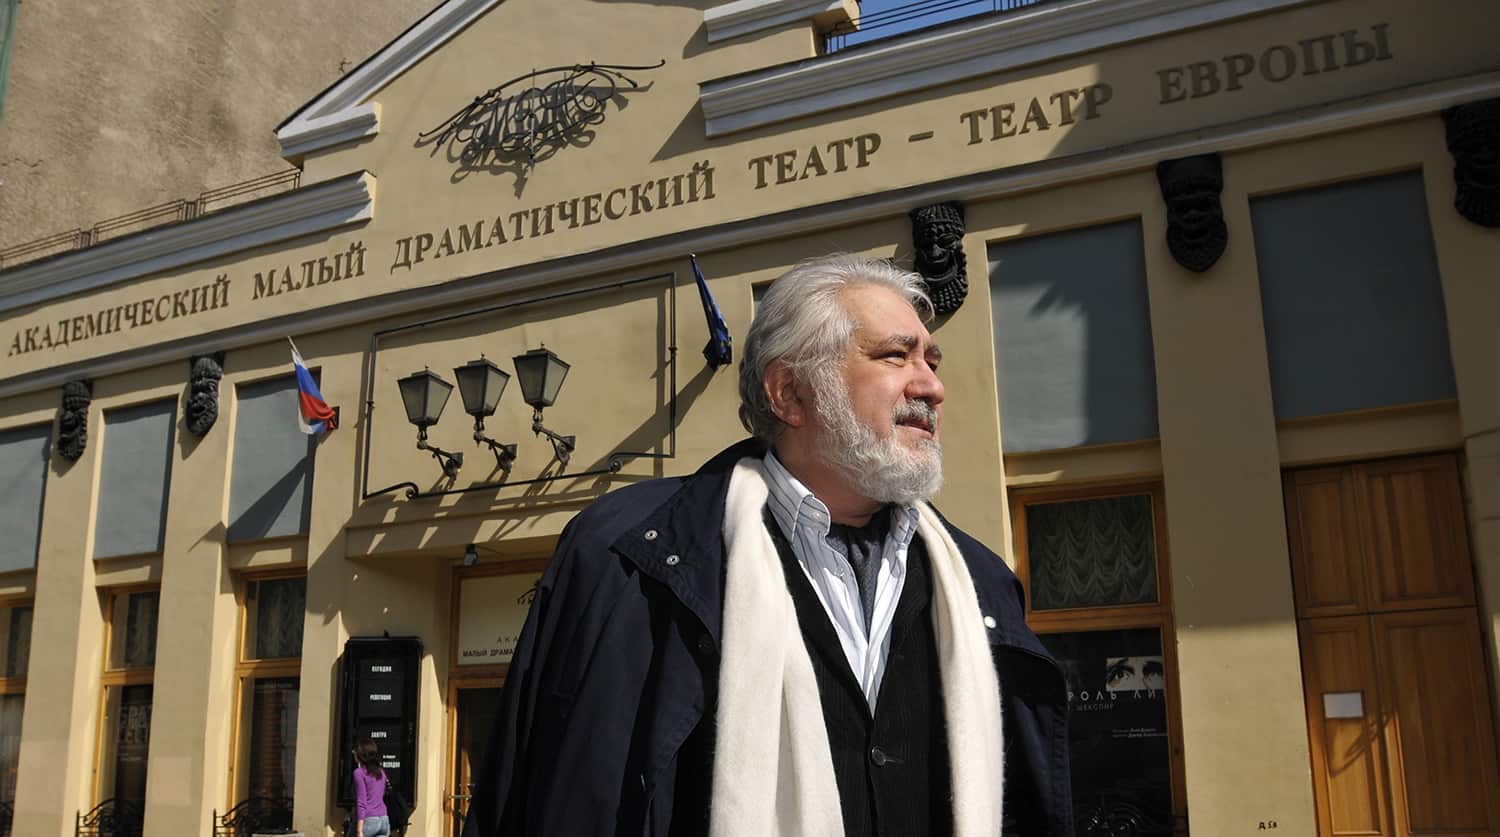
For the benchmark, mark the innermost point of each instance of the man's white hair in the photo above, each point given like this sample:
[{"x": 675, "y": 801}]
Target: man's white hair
[{"x": 802, "y": 322}]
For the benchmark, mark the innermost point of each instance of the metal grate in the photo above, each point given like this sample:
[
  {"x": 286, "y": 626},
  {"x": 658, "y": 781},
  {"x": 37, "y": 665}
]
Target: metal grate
[{"x": 887, "y": 19}]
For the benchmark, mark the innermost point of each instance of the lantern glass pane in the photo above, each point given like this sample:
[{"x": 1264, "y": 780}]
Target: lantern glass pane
[
  {"x": 472, "y": 377},
  {"x": 413, "y": 396},
  {"x": 437, "y": 397},
  {"x": 530, "y": 369},
  {"x": 556, "y": 372}
]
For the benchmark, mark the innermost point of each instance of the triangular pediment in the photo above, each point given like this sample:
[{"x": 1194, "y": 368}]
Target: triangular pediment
[{"x": 343, "y": 113}]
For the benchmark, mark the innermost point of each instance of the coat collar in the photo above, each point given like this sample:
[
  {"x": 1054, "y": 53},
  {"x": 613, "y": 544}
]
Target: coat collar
[{"x": 680, "y": 544}]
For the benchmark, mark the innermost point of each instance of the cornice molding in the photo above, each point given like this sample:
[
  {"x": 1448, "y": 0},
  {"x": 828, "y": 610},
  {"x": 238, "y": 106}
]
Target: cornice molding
[
  {"x": 745, "y": 17},
  {"x": 1287, "y": 126},
  {"x": 311, "y": 209},
  {"x": 981, "y": 46},
  {"x": 340, "y": 114}
]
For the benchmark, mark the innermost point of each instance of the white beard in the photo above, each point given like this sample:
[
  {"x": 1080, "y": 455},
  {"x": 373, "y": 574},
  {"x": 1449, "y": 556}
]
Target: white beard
[{"x": 880, "y": 468}]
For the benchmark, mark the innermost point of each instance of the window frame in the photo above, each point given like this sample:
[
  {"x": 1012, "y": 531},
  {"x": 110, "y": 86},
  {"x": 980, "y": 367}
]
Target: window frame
[
  {"x": 121, "y": 677},
  {"x": 1156, "y": 614},
  {"x": 246, "y": 672},
  {"x": 14, "y": 685}
]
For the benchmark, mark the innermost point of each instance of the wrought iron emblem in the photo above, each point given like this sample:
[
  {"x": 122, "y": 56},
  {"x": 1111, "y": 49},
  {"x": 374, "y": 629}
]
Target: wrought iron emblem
[
  {"x": 1196, "y": 232},
  {"x": 937, "y": 235},
  {"x": 531, "y": 117},
  {"x": 1474, "y": 142}
]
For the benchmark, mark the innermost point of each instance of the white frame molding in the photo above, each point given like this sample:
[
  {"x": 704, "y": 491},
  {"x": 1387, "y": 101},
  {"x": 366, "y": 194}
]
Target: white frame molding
[
  {"x": 745, "y": 17},
  {"x": 1424, "y": 100},
  {"x": 311, "y": 209},
  {"x": 981, "y": 46},
  {"x": 340, "y": 114}
]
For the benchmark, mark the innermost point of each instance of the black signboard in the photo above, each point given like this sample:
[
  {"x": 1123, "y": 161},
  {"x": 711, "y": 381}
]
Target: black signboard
[
  {"x": 1122, "y": 770},
  {"x": 378, "y": 701}
]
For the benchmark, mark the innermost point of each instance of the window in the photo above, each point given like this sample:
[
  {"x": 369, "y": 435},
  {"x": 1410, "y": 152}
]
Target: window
[
  {"x": 270, "y": 665},
  {"x": 1094, "y": 563},
  {"x": 1073, "y": 339},
  {"x": 125, "y": 730},
  {"x": 1352, "y": 298},
  {"x": 23, "y": 462},
  {"x": 270, "y": 486},
  {"x": 133, "y": 479},
  {"x": 15, "y": 644}
]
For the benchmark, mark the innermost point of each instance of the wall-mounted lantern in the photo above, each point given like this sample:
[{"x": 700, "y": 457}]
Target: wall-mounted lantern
[
  {"x": 425, "y": 394},
  {"x": 480, "y": 383},
  {"x": 541, "y": 375}
]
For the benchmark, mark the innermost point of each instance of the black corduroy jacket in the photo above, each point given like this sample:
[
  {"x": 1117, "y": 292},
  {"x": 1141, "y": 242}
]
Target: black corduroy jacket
[{"x": 607, "y": 714}]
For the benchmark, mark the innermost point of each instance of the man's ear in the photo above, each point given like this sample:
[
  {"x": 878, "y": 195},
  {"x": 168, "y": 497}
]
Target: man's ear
[{"x": 784, "y": 394}]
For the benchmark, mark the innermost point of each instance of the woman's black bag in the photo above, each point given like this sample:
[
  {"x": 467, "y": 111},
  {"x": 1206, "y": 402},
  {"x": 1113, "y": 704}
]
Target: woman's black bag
[{"x": 397, "y": 808}]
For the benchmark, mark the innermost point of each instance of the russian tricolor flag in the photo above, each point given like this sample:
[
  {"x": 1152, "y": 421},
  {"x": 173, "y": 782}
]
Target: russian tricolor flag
[{"x": 313, "y": 413}]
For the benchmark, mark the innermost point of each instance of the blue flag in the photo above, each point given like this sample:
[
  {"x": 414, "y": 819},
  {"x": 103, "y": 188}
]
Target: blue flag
[{"x": 717, "y": 351}]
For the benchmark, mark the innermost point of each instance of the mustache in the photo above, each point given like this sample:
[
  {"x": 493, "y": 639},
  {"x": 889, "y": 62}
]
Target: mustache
[{"x": 915, "y": 409}]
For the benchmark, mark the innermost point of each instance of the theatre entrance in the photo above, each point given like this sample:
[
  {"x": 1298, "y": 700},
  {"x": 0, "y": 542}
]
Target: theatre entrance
[
  {"x": 475, "y": 706},
  {"x": 490, "y": 603},
  {"x": 1397, "y": 690}
]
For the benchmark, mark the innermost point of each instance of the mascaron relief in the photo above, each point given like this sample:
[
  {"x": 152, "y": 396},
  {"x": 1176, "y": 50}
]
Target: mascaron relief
[
  {"x": 202, "y": 408},
  {"x": 1474, "y": 142},
  {"x": 73, "y": 419},
  {"x": 937, "y": 236},
  {"x": 1196, "y": 232}
]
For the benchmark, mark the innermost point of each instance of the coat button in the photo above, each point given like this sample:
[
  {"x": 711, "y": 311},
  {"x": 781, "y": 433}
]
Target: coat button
[
  {"x": 672, "y": 560},
  {"x": 706, "y": 645},
  {"x": 989, "y": 621},
  {"x": 878, "y": 757},
  {"x": 650, "y": 535}
]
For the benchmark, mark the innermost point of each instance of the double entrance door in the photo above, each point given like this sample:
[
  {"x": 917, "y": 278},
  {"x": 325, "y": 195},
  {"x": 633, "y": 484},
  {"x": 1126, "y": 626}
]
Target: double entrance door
[{"x": 1397, "y": 690}]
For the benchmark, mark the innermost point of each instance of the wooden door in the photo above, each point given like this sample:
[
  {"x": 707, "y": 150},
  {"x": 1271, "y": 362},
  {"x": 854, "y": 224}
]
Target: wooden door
[
  {"x": 1437, "y": 723},
  {"x": 1397, "y": 691},
  {"x": 1347, "y": 742}
]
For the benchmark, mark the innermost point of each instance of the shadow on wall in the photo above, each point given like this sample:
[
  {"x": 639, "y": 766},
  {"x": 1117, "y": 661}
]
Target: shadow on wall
[{"x": 1073, "y": 346}]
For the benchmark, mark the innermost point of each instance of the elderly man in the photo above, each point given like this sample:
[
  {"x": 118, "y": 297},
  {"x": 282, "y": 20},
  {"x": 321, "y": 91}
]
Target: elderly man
[{"x": 790, "y": 641}]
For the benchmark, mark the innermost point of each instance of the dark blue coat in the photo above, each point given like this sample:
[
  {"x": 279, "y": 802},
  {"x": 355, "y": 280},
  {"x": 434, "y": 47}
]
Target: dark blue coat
[{"x": 606, "y": 724}]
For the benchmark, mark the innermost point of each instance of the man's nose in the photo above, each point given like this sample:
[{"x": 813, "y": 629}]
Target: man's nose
[{"x": 925, "y": 384}]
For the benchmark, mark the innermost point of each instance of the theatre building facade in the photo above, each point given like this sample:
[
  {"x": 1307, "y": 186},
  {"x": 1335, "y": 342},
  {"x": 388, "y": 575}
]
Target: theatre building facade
[{"x": 1217, "y": 292}]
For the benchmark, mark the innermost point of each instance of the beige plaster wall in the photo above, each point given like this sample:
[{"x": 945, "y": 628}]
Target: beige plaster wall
[{"x": 114, "y": 107}]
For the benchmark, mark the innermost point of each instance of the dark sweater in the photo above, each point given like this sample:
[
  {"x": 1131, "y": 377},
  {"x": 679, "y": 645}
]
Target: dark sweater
[{"x": 891, "y": 767}]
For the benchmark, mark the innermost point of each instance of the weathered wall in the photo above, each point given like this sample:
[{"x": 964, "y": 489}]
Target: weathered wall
[{"x": 114, "y": 107}]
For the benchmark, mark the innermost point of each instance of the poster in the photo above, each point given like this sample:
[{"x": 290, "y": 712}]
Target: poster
[{"x": 1122, "y": 772}]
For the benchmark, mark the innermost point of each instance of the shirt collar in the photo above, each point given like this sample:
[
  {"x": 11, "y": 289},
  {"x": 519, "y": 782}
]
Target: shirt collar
[{"x": 794, "y": 506}]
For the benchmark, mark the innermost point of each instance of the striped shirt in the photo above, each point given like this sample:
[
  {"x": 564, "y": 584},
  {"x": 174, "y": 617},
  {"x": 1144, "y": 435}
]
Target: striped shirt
[{"x": 805, "y": 521}]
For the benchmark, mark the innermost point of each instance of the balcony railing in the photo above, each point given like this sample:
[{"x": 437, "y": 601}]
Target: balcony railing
[
  {"x": 879, "y": 20},
  {"x": 171, "y": 212}
]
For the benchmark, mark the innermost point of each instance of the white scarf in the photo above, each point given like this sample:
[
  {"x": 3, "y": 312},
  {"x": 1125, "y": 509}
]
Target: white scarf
[{"x": 773, "y": 769}]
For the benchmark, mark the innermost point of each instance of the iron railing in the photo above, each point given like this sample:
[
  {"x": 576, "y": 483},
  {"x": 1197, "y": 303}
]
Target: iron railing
[
  {"x": 256, "y": 815},
  {"x": 898, "y": 19},
  {"x": 171, "y": 212},
  {"x": 111, "y": 818}
]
